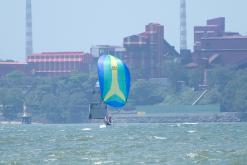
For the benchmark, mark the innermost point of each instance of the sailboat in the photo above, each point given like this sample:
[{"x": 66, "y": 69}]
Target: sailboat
[
  {"x": 113, "y": 84},
  {"x": 26, "y": 117},
  {"x": 97, "y": 108}
]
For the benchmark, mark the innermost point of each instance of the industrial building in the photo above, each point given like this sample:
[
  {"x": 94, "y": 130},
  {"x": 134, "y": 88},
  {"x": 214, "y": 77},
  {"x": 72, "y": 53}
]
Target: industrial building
[
  {"x": 146, "y": 52},
  {"x": 59, "y": 63},
  {"x": 211, "y": 42},
  {"x": 98, "y": 50},
  {"x": 7, "y": 67}
]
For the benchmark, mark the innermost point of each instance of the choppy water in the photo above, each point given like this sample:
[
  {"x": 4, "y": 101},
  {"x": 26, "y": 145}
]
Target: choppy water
[{"x": 171, "y": 144}]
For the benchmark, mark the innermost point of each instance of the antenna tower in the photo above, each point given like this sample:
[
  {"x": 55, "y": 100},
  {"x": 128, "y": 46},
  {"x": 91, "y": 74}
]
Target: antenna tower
[
  {"x": 183, "y": 31},
  {"x": 29, "y": 40}
]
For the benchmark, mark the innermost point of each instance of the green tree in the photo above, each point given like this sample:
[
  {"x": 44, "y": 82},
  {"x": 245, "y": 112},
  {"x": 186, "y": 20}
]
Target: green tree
[
  {"x": 12, "y": 102},
  {"x": 219, "y": 76},
  {"x": 195, "y": 77},
  {"x": 234, "y": 94},
  {"x": 174, "y": 72},
  {"x": 146, "y": 92}
]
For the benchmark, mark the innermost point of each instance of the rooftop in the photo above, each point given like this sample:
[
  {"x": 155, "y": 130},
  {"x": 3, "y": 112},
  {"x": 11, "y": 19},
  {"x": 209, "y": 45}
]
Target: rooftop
[
  {"x": 226, "y": 37},
  {"x": 57, "y": 53},
  {"x": 12, "y": 63}
]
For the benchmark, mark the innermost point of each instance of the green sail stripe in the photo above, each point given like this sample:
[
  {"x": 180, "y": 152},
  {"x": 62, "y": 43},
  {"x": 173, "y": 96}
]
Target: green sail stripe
[
  {"x": 107, "y": 76},
  {"x": 121, "y": 78}
]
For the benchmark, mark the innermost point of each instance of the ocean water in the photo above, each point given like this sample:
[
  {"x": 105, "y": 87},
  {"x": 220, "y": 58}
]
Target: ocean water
[{"x": 165, "y": 144}]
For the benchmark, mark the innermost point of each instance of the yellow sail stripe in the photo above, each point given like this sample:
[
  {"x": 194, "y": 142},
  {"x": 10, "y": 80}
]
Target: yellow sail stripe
[{"x": 114, "y": 89}]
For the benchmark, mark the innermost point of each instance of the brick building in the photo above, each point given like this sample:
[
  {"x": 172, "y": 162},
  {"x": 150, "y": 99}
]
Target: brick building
[
  {"x": 59, "y": 63},
  {"x": 147, "y": 51},
  {"x": 214, "y": 28},
  {"x": 7, "y": 67},
  {"x": 211, "y": 42}
]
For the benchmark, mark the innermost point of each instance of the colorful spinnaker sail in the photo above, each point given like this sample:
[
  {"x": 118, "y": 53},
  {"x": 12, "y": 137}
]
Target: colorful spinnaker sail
[{"x": 114, "y": 80}]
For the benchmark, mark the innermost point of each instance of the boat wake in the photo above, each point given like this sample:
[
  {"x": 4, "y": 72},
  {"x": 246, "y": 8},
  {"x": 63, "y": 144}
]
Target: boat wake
[{"x": 102, "y": 126}]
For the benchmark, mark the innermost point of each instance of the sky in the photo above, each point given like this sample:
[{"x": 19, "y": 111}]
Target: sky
[{"x": 76, "y": 25}]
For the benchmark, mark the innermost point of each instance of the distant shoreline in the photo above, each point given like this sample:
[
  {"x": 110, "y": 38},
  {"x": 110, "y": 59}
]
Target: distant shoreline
[
  {"x": 218, "y": 117},
  {"x": 167, "y": 118},
  {"x": 16, "y": 122},
  {"x": 10, "y": 122}
]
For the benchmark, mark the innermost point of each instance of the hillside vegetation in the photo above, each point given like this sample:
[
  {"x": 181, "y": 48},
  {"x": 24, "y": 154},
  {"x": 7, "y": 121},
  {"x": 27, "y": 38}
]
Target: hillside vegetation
[{"x": 66, "y": 99}]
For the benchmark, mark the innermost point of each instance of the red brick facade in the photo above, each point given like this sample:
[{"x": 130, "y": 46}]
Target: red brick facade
[
  {"x": 59, "y": 63},
  {"x": 145, "y": 52},
  {"x": 212, "y": 40},
  {"x": 7, "y": 67}
]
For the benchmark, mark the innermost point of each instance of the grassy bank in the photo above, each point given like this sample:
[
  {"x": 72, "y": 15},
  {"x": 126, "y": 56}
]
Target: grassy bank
[{"x": 152, "y": 109}]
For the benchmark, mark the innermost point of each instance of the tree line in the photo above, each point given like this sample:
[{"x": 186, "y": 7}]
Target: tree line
[
  {"x": 49, "y": 99},
  {"x": 65, "y": 99}
]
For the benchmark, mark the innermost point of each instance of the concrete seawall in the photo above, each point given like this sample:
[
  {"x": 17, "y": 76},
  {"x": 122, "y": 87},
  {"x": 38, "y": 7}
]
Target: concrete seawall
[{"x": 180, "y": 118}]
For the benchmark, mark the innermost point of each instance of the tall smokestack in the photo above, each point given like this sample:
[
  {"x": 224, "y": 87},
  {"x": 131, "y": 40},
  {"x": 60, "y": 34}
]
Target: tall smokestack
[
  {"x": 29, "y": 39},
  {"x": 183, "y": 31}
]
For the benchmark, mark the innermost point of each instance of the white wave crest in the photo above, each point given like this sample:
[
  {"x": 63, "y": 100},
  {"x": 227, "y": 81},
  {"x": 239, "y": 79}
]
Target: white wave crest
[
  {"x": 191, "y": 155},
  {"x": 189, "y": 123},
  {"x": 160, "y": 138},
  {"x": 86, "y": 129}
]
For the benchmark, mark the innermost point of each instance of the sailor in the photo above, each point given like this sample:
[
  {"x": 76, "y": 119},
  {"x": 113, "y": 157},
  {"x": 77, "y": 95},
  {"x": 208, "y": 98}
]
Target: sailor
[{"x": 109, "y": 120}]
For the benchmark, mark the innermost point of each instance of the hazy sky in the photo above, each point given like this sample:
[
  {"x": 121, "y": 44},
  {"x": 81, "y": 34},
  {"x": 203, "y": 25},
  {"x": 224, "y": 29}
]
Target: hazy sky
[{"x": 76, "y": 25}]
